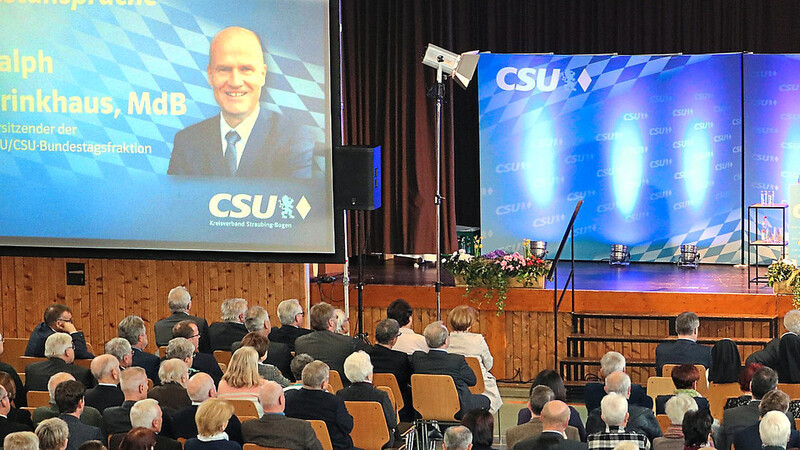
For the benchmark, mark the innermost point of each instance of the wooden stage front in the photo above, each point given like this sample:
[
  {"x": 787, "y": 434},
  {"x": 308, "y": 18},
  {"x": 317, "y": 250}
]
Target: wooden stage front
[{"x": 521, "y": 338}]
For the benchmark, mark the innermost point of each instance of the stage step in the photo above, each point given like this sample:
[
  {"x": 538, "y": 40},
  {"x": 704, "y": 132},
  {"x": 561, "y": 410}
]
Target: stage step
[{"x": 578, "y": 337}]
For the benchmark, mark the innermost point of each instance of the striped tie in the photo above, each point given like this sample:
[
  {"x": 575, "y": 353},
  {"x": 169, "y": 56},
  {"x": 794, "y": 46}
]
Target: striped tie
[{"x": 231, "y": 137}]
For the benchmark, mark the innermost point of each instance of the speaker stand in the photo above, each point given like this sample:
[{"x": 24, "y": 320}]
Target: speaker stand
[
  {"x": 360, "y": 228},
  {"x": 437, "y": 93}
]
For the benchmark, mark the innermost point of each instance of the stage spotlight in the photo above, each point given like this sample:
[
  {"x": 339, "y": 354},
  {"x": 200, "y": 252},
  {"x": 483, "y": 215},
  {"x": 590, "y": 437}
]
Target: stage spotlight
[
  {"x": 460, "y": 67},
  {"x": 539, "y": 249},
  {"x": 620, "y": 256},
  {"x": 689, "y": 256}
]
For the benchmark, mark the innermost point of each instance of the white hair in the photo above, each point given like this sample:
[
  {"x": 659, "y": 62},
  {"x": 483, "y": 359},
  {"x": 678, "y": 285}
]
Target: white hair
[
  {"x": 435, "y": 334},
  {"x": 180, "y": 348},
  {"x": 118, "y": 347},
  {"x": 57, "y": 344},
  {"x": 21, "y": 440},
  {"x": 173, "y": 370},
  {"x": 457, "y": 438},
  {"x": 358, "y": 367},
  {"x": 131, "y": 328},
  {"x": 179, "y": 299},
  {"x": 792, "y": 321},
  {"x": 131, "y": 378},
  {"x": 678, "y": 406},
  {"x": 288, "y": 309},
  {"x": 614, "y": 407},
  {"x": 612, "y": 362},
  {"x": 254, "y": 319},
  {"x": 340, "y": 317},
  {"x": 144, "y": 412},
  {"x": 774, "y": 429},
  {"x": 55, "y": 380},
  {"x": 618, "y": 383},
  {"x": 232, "y": 308},
  {"x": 199, "y": 386},
  {"x": 102, "y": 365}
]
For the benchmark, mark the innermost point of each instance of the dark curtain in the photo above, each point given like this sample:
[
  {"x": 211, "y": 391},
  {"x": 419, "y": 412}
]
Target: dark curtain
[{"x": 385, "y": 82}]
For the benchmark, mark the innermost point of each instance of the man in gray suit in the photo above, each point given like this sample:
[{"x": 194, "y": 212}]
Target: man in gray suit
[
  {"x": 274, "y": 429},
  {"x": 539, "y": 397},
  {"x": 555, "y": 420},
  {"x": 323, "y": 344}
]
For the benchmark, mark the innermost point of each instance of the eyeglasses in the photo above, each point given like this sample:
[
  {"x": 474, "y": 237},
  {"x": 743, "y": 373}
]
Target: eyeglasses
[
  {"x": 73, "y": 346},
  {"x": 193, "y": 336},
  {"x": 66, "y": 320},
  {"x": 399, "y": 334}
]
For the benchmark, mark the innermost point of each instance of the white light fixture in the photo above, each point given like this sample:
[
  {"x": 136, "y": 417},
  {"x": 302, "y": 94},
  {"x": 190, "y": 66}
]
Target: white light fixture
[{"x": 460, "y": 67}]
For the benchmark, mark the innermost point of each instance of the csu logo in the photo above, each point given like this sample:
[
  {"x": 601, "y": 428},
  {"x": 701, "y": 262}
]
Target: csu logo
[
  {"x": 240, "y": 206},
  {"x": 527, "y": 79}
]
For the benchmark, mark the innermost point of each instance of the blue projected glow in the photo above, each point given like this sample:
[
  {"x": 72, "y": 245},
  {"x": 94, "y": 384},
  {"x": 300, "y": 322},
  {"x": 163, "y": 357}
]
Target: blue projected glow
[
  {"x": 790, "y": 169},
  {"x": 627, "y": 163},
  {"x": 696, "y": 164},
  {"x": 540, "y": 156}
]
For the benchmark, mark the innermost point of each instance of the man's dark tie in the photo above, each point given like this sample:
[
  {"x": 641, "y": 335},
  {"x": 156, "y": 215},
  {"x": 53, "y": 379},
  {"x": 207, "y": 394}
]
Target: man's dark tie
[{"x": 231, "y": 137}]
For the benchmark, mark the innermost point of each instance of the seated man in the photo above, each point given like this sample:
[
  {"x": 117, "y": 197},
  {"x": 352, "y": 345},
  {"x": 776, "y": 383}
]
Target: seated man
[
  {"x": 7, "y": 426},
  {"x": 408, "y": 342},
  {"x": 615, "y": 415},
  {"x": 768, "y": 356},
  {"x": 290, "y": 314},
  {"x": 614, "y": 362},
  {"x": 323, "y": 344},
  {"x": 231, "y": 329},
  {"x": 313, "y": 402},
  {"x": 640, "y": 420},
  {"x": 438, "y": 362},
  {"x": 358, "y": 369},
  {"x": 457, "y": 438},
  {"x": 685, "y": 350},
  {"x": 134, "y": 385},
  {"x": 171, "y": 394},
  {"x": 202, "y": 362},
  {"x": 201, "y": 388},
  {"x": 132, "y": 329},
  {"x": 107, "y": 393},
  {"x": 555, "y": 423},
  {"x": 57, "y": 319},
  {"x": 274, "y": 429},
  {"x": 70, "y": 402},
  {"x": 749, "y": 438},
  {"x": 121, "y": 349},
  {"x": 60, "y": 355},
  {"x": 20, "y": 398},
  {"x": 147, "y": 414},
  {"x": 684, "y": 377},
  {"x": 180, "y": 303},
  {"x": 386, "y": 360},
  {"x": 90, "y": 416},
  {"x": 540, "y": 396},
  {"x": 256, "y": 320},
  {"x": 774, "y": 431}
]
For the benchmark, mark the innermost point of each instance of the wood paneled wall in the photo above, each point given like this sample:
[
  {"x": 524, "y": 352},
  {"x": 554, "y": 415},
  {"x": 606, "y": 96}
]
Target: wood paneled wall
[{"x": 116, "y": 288}]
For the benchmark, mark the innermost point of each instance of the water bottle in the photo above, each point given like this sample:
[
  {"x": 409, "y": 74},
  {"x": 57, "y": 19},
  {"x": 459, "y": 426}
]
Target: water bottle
[{"x": 764, "y": 230}]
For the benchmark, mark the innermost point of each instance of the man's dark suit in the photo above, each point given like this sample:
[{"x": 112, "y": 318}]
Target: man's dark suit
[
  {"x": 104, "y": 396},
  {"x": 366, "y": 392},
  {"x": 184, "y": 426},
  {"x": 439, "y": 362},
  {"x": 7, "y": 427},
  {"x": 205, "y": 362},
  {"x": 20, "y": 400},
  {"x": 750, "y": 439},
  {"x": 287, "y": 334},
  {"x": 596, "y": 391},
  {"x": 278, "y": 355},
  {"x": 90, "y": 415},
  {"x": 549, "y": 440},
  {"x": 682, "y": 351},
  {"x": 328, "y": 347},
  {"x": 310, "y": 404},
  {"x": 163, "y": 330},
  {"x": 276, "y": 148},
  {"x": 789, "y": 359},
  {"x": 170, "y": 395},
  {"x": 767, "y": 356},
  {"x": 386, "y": 360},
  {"x": 223, "y": 334},
  {"x": 162, "y": 442},
  {"x": 279, "y": 431},
  {"x": 148, "y": 362},
  {"x": 736, "y": 419},
  {"x": 640, "y": 420},
  {"x": 40, "y": 334},
  {"x": 38, "y": 374},
  {"x": 117, "y": 419},
  {"x": 661, "y": 403},
  {"x": 79, "y": 432}
]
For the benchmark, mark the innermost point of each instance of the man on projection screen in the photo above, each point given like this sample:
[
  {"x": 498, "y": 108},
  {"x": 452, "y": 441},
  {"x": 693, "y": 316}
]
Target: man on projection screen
[{"x": 245, "y": 140}]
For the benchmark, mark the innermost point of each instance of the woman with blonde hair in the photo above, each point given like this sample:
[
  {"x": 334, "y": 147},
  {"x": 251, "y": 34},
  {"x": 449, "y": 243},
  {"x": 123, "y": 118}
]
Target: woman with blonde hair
[
  {"x": 212, "y": 418},
  {"x": 463, "y": 342},
  {"x": 242, "y": 380}
]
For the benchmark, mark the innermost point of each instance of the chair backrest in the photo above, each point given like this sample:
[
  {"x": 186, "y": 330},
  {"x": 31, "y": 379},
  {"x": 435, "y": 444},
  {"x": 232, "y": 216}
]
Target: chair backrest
[
  {"x": 390, "y": 381},
  {"x": 38, "y": 398},
  {"x": 390, "y": 394},
  {"x": 246, "y": 418},
  {"x": 718, "y": 394},
  {"x": 149, "y": 385},
  {"x": 13, "y": 349},
  {"x": 85, "y": 363},
  {"x": 24, "y": 361},
  {"x": 793, "y": 389},
  {"x": 702, "y": 382},
  {"x": 660, "y": 386},
  {"x": 321, "y": 430},
  {"x": 435, "y": 397},
  {"x": 663, "y": 422},
  {"x": 182, "y": 440},
  {"x": 223, "y": 367},
  {"x": 162, "y": 351},
  {"x": 370, "y": 431},
  {"x": 335, "y": 382},
  {"x": 250, "y": 446},
  {"x": 243, "y": 407},
  {"x": 475, "y": 365},
  {"x": 223, "y": 357}
]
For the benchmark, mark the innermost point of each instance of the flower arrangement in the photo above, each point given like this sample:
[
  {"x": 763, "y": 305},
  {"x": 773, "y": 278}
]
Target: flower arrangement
[
  {"x": 782, "y": 276},
  {"x": 497, "y": 271}
]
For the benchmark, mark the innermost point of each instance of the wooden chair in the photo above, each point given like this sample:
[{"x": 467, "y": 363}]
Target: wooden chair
[
  {"x": 14, "y": 348},
  {"x": 391, "y": 399},
  {"x": 321, "y": 430},
  {"x": 702, "y": 382},
  {"x": 24, "y": 361},
  {"x": 22, "y": 377},
  {"x": 30, "y": 409},
  {"x": 659, "y": 386},
  {"x": 250, "y": 446},
  {"x": 223, "y": 367},
  {"x": 149, "y": 385},
  {"x": 222, "y": 356},
  {"x": 246, "y": 418},
  {"x": 38, "y": 398},
  {"x": 243, "y": 407},
  {"x": 89, "y": 347},
  {"x": 85, "y": 363},
  {"x": 182, "y": 440},
  {"x": 718, "y": 394},
  {"x": 370, "y": 431},
  {"x": 663, "y": 422},
  {"x": 435, "y": 398},
  {"x": 797, "y": 424},
  {"x": 390, "y": 381},
  {"x": 162, "y": 351},
  {"x": 475, "y": 365},
  {"x": 793, "y": 389},
  {"x": 335, "y": 382}
]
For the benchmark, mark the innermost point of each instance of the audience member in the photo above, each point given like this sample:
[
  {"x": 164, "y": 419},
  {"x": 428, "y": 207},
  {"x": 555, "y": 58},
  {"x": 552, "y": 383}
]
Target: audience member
[
  {"x": 639, "y": 420},
  {"x": 57, "y": 319},
  {"x": 92, "y": 445},
  {"x": 90, "y": 416},
  {"x": 539, "y": 396},
  {"x": 553, "y": 380},
  {"x": 464, "y": 342},
  {"x": 133, "y": 382},
  {"x": 256, "y": 320},
  {"x": 408, "y": 342},
  {"x": 231, "y": 329},
  {"x": 386, "y": 360},
  {"x": 696, "y": 428},
  {"x": 138, "y": 439},
  {"x": 342, "y": 322},
  {"x": 614, "y": 362},
  {"x": 774, "y": 431},
  {"x": 53, "y": 434},
  {"x": 21, "y": 440},
  {"x": 147, "y": 414},
  {"x": 684, "y": 350},
  {"x": 121, "y": 349},
  {"x": 276, "y": 430},
  {"x": 736, "y": 419},
  {"x": 481, "y": 424},
  {"x": 358, "y": 369},
  {"x": 323, "y": 344},
  {"x": 312, "y": 402},
  {"x": 200, "y": 388},
  {"x": 60, "y": 353},
  {"x": 180, "y": 303},
  {"x": 107, "y": 393},
  {"x": 789, "y": 359},
  {"x": 775, "y": 400},
  {"x": 202, "y": 362},
  {"x": 685, "y": 378},
  {"x": 725, "y": 361},
  {"x": 457, "y": 438},
  {"x": 290, "y": 314},
  {"x": 70, "y": 402},
  {"x": 267, "y": 371},
  {"x": 20, "y": 399},
  {"x": 555, "y": 425},
  {"x": 15, "y": 414},
  {"x": 171, "y": 395},
  {"x": 299, "y": 363},
  {"x": 8, "y": 426},
  {"x": 212, "y": 417},
  {"x": 676, "y": 408},
  {"x": 242, "y": 380},
  {"x": 615, "y": 413},
  {"x": 132, "y": 329},
  {"x": 745, "y": 376},
  {"x": 438, "y": 362},
  {"x": 768, "y": 356}
]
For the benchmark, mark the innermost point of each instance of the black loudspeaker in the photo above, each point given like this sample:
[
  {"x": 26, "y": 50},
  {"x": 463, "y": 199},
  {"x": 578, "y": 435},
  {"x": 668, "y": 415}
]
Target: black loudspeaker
[{"x": 357, "y": 177}]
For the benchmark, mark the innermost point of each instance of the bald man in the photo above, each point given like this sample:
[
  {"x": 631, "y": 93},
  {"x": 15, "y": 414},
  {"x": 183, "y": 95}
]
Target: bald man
[
  {"x": 555, "y": 419},
  {"x": 107, "y": 393},
  {"x": 245, "y": 140},
  {"x": 201, "y": 388},
  {"x": 274, "y": 429}
]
